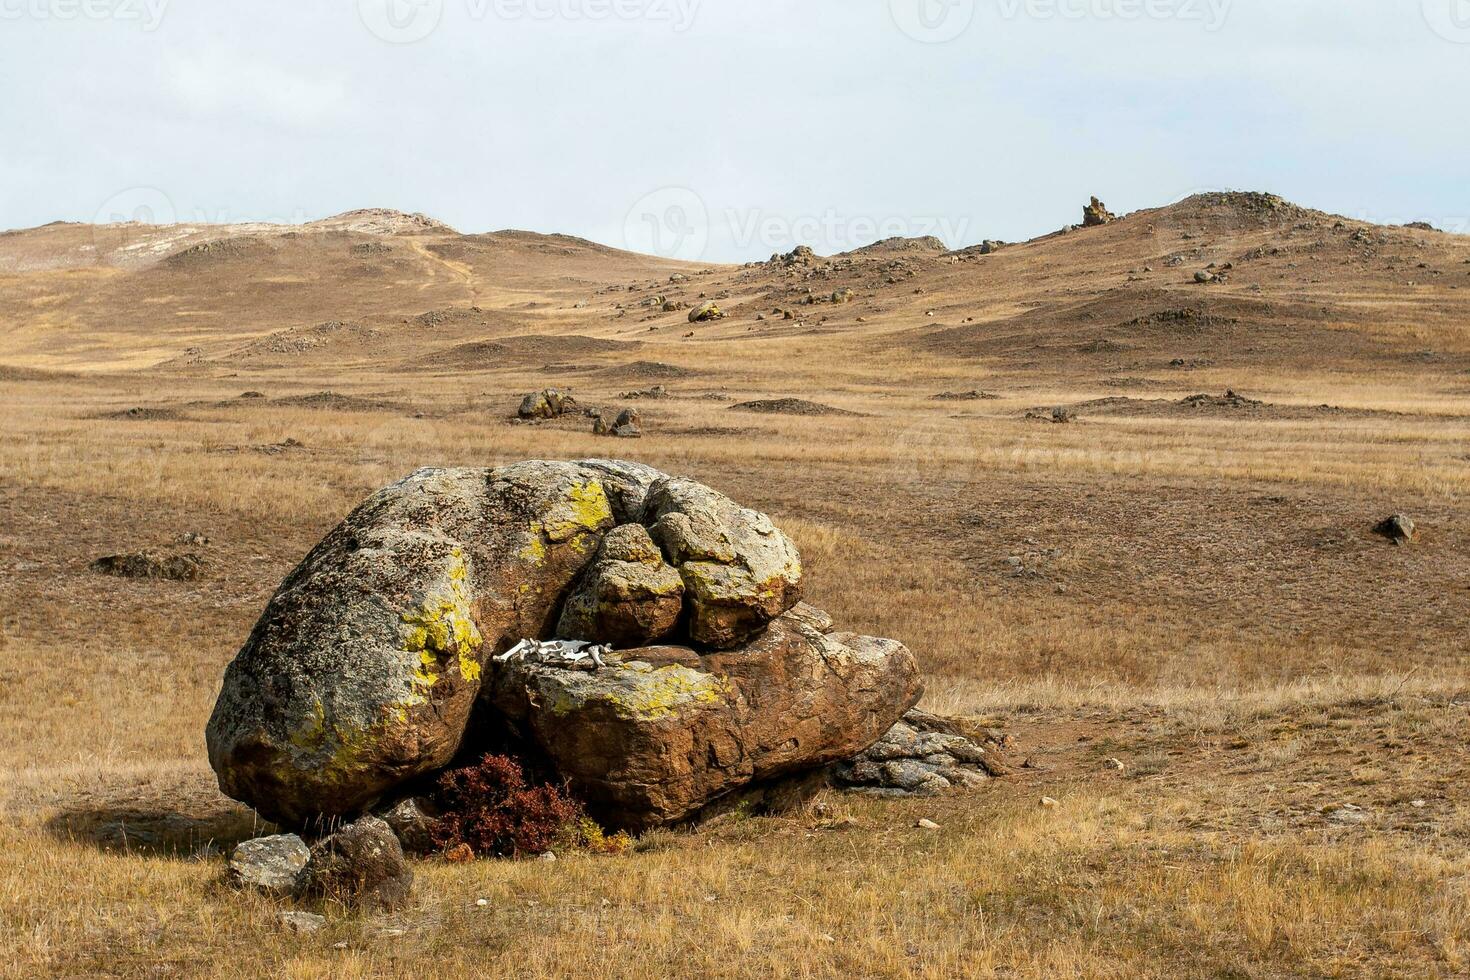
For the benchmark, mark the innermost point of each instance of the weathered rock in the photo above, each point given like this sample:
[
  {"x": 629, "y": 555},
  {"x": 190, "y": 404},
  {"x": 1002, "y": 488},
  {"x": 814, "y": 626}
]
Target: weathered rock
[
  {"x": 302, "y": 923},
  {"x": 655, "y": 737},
  {"x": 1096, "y": 213},
  {"x": 549, "y": 403},
  {"x": 706, "y": 311},
  {"x": 362, "y": 865},
  {"x": 921, "y": 755},
  {"x": 1399, "y": 528},
  {"x": 629, "y": 597},
  {"x": 740, "y": 571},
  {"x": 628, "y": 430},
  {"x": 361, "y": 673},
  {"x": 413, "y": 820},
  {"x": 274, "y": 865}
]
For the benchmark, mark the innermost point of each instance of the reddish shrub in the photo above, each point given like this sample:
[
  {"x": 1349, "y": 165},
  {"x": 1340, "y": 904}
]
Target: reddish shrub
[{"x": 491, "y": 808}]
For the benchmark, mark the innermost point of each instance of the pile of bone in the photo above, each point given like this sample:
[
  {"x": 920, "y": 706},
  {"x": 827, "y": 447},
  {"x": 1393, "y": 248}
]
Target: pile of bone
[{"x": 569, "y": 654}]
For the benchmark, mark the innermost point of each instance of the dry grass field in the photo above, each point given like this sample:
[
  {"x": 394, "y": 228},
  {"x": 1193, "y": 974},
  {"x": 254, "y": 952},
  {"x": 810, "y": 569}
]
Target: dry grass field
[{"x": 1188, "y": 588}]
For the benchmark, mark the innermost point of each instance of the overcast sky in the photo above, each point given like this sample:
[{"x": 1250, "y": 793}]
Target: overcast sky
[{"x": 729, "y": 129}]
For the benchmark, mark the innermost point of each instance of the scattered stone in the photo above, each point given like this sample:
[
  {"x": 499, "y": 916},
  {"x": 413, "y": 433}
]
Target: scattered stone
[
  {"x": 1399, "y": 528},
  {"x": 193, "y": 538},
  {"x": 842, "y": 296},
  {"x": 626, "y": 426},
  {"x": 1096, "y": 213},
  {"x": 1048, "y": 803},
  {"x": 1115, "y": 764},
  {"x": 362, "y": 865},
  {"x": 705, "y": 312},
  {"x": 656, "y": 392},
  {"x": 549, "y": 403},
  {"x": 151, "y": 565},
  {"x": 252, "y": 394},
  {"x": 274, "y": 865},
  {"x": 927, "y": 824},
  {"x": 303, "y": 923},
  {"x": 974, "y": 394},
  {"x": 549, "y": 857}
]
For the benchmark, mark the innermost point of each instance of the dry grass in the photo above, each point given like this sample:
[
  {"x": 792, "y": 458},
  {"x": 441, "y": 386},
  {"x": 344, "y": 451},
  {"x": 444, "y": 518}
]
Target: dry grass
[{"x": 1198, "y": 597}]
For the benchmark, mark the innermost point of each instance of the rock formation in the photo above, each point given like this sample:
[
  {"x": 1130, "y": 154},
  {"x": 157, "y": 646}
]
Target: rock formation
[
  {"x": 363, "y": 671},
  {"x": 1096, "y": 213}
]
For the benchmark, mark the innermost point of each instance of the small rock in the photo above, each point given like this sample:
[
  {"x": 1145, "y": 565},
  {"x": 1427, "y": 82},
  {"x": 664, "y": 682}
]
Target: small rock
[
  {"x": 1418, "y": 804},
  {"x": 548, "y": 403},
  {"x": 927, "y": 824},
  {"x": 362, "y": 865},
  {"x": 1398, "y": 528},
  {"x": 274, "y": 865},
  {"x": 705, "y": 312},
  {"x": 460, "y": 854},
  {"x": 1115, "y": 764},
  {"x": 1048, "y": 803},
  {"x": 481, "y": 903},
  {"x": 548, "y": 857},
  {"x": 303, "y": 923}
]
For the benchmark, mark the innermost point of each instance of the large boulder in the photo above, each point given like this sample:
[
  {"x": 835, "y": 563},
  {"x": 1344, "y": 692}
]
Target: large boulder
[
  {"x": 663, "y": 731},
  {"x": 362, "y": 671},
  {"x": 361, "y": 676}
]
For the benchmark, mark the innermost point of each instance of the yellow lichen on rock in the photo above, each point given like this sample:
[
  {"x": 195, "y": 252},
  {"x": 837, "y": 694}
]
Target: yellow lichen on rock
[
  {"x": 586, "y": 509},
  {"x": 660, "y": 693},
  {"x": 442, "y": 627}
]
